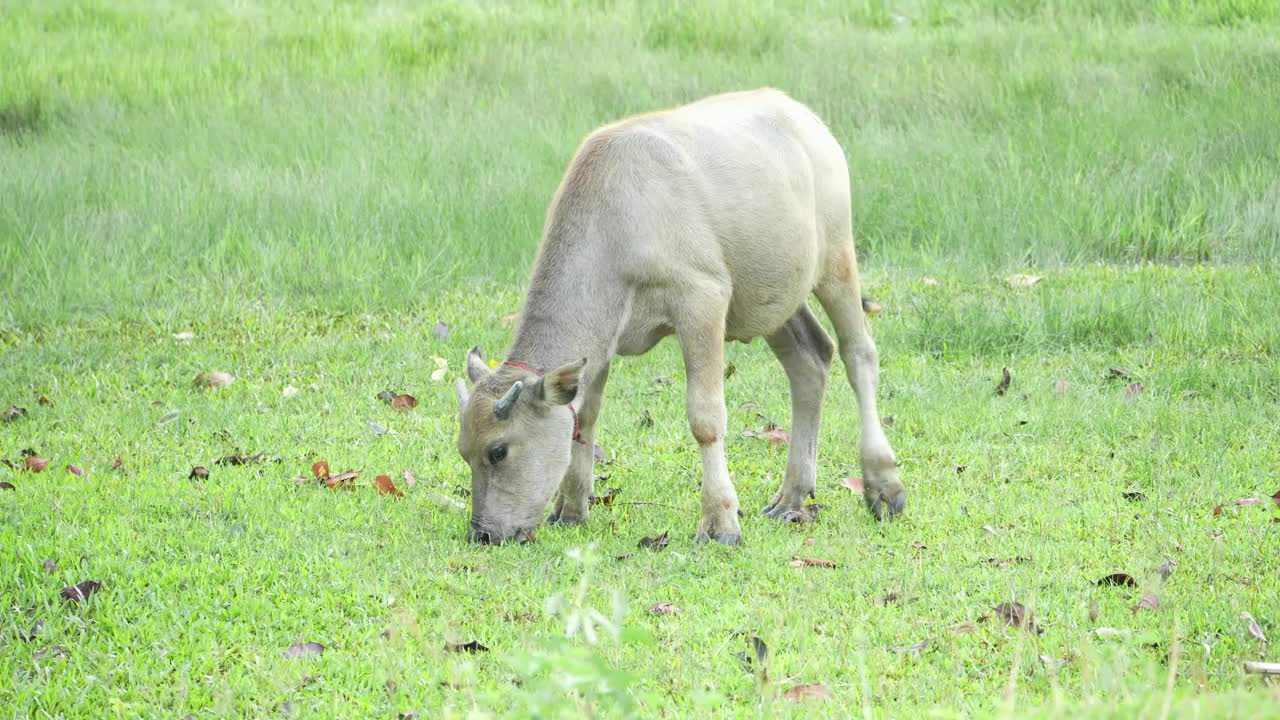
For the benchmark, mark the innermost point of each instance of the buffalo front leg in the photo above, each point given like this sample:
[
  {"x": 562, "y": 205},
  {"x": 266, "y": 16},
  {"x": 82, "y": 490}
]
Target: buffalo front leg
[
  {"x": 805, "y": 350},
  {"x": 573, "y": 500},
  {"x": 841, "y": 297},
  {"x": 702, "y": 344}
]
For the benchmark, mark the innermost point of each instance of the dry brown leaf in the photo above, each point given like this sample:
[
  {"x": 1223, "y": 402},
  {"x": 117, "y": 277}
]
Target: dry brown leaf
[
  {"x": 1016, "y": 615},
  {"x": 1217, "y": 510},
  {"x": 80, "y": 591},
  {"x": 303, "y": 649},
  {"x": 44, "y": 401},
  {"x": 1019, "y": 280},
  {"x": 811, "y": 562},
  {"x": 11, "y": 413},
  {"x": 1122, "y": 579},
  {"x": 1248, "y": 502},
  {"x": 1005, "y": 379},
  {"x": 811, "y": 691},
  {"x": 776, "y": 436},
  {"x": 341, "y": 480},
  {"x": 320, "y": 470},
  {"x": 871, "y": 307},
  {"x": 1148, "y": 602},
  {"x": 607, "y": 498},
  {"x": 386, "y": 487},
  {"x": 198, "y": 472},
  {"x": 1133, "y": 390},
  {"x": 656, "y": 544},
  {"x": 75, "y": 470},
  {"x": 404, "y": 403},
  {"x": 664, "y": 608},
  {"x": 36, "y": 464},
  {"x": 214, "y": 379}
]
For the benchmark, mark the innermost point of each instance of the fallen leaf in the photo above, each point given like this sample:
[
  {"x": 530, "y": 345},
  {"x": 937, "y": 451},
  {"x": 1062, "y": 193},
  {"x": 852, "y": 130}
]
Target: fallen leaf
[
  {"x": 811, "y": 691},
  {"x": 1019, "y": 280},
  {"x": 214, "y": 379},
  {"x": 1276, "y": 498},
  {"x": 1116, "y": 373},
  {"x": 341, "y": 479},
  {"x": 168, "y": 417},
  {"x": 1016, "y": 615},
  {"x": 965, "y": 628},
  {"x": 36, "y": 464},
  {"x": 656, "y": 544},
  {"x": 749, "y": 405},
  {"x": 811, "y": 562},
  {"x": 854, "y": 484},
  {"x": 377, "y": 429},
  {"x": 386, "y": 396},
  {"x": 237, "y": 459},
  {"x": 1165, "y": 569},
  {"x": 6, "y": 485},
  {"x": 1061, "y": 387},
  {"x": 81, "y": 591},
  {"x": 409, "y": 479},
  {"x": 1217, "y": 510},
  {"x": 776, "y": 436},
  {"x": 1148, "y": 602},
  {"x": 289, "y": 391},
  {"x": 50, "y": 566},
  {"x": 928, "y": 281},
  {"x": 404, "y": 402},
  {"x": 1133, "y": 496},
  {"x": 471, "y": 646},
  {"x": 511, "y": 319},
  {"x": 303, "y": 649},
  {"x": 664, "y": 608},
  {"x": 1005, "y": 379},
  {"x": 184, "y": 336},
  {"x": 386, "y": 487},
  {"x": 1006, "y": 563},
  {"x": 11, "y": 413},
  {"x": 1254, "y": 630},
  {"x": 75, "y": 470},
  {"x": 989, "y": 530},
  {"x": 320, "y": 470},
  {"x": 919, "y": 545},
  {"x": 871, "y": 307},
  {"x": 887, "y": 421},
  {"x": 198, "y": 472},
  {"x": 440, "y": 331},
  {"x": 442, "y": 368},
  {"x": 805, "y": 514},
  {"x": 730, "y": 370},
  {"x": 607, "y": 498},
  {"x": 1133, "y": 390},
  {"x": 646, "y": 420},
  {"x": 1122, "y": 579},
  {"x": 914, "y": 649},
  {"x": 44, "y": 401},
  {"x": 1248, "y": 502},
  {"x": 118, "y": 464},
  {"x": 56, "y": 651}
]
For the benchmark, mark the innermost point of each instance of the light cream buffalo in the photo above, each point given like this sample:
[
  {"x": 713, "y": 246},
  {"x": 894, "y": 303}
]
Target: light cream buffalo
[{"x": 712, "y": 221}]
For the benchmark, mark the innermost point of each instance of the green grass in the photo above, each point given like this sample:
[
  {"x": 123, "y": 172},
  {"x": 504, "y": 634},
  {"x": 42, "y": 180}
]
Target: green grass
[{"x": 310, "y": 186}]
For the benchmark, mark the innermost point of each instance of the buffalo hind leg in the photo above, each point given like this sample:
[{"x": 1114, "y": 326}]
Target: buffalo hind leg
[
  {"x": 805, "y": 350},
  {"x": 841, "y": 297}
]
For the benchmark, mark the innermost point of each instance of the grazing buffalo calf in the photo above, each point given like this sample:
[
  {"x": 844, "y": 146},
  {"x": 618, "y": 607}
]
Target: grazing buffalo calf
[{"x": 711, "y": 222}]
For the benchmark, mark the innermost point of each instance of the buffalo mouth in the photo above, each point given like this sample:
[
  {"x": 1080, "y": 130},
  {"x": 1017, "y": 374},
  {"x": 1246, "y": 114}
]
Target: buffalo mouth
[{"x": 479, "y": 534}]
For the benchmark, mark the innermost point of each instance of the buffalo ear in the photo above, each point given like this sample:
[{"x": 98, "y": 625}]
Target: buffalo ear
[
  {"x": 476, "y": 366},
  {"x": 560, "y": 386}
]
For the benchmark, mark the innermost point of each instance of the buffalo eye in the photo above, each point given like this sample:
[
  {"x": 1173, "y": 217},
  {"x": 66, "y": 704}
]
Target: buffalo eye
[{"x": 497, "y": 454}]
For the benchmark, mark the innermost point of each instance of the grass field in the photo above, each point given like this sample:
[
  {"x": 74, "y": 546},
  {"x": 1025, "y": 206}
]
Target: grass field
[{"x": 308, "y": 187}]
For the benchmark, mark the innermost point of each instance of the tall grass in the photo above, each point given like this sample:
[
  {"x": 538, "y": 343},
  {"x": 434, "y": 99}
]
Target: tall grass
[{"x": 358, "y": 155}]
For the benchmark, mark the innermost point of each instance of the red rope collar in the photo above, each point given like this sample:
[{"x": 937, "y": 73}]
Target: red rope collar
[{"x": 577, "y": 432}]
